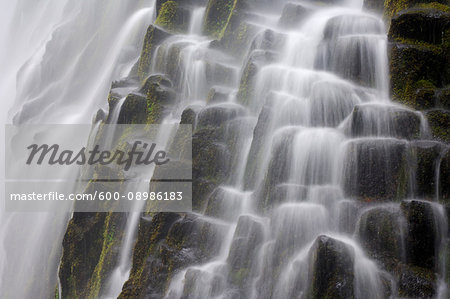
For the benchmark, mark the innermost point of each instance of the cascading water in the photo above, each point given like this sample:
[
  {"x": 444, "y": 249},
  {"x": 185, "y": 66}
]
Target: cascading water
[
  {"x": 59, "y": 62},
  {"x": 305, "y": 135}
]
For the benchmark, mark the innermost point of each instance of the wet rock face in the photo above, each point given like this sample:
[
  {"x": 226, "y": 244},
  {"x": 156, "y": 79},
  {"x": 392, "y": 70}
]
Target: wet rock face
[
  {"x": 420, "y": 24},
  {"x": 419, "y": 59},
  {"x": 293, "y": 14},
  {"x": 373, "y": 120},
  {"x": 148, "y": 276},
  {"x": 416, "y": 283},
  {"x": 153, "y": 37},
  {"x": 427, "y": 156},
  {"x": 380, "y": 232},
  {"x": 173, "y": 17},
  {"x": 423, "y": 235},
  {"x": 217, "y": 115},
  {"x": 332, "y": 269},
  {"x": 376, "y": 169},
  {"x": 444, "y": 176},
  {"x": 133, "y": 110},
  {"x": 248, "y": 236},
  {"x": 90, "y": 247},
  {"x": 439, "y": 122},
  {"x": 209, "y": 163}
]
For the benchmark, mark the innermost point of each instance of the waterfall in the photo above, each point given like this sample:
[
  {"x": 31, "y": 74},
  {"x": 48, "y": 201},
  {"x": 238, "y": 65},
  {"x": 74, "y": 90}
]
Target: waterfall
[
  {"x": 321, "y": 165},
  {"x": 59, "y": 62}
]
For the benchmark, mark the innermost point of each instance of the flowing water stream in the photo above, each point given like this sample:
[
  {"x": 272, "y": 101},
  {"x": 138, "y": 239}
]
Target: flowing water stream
[{"x": 299, "y": 138}]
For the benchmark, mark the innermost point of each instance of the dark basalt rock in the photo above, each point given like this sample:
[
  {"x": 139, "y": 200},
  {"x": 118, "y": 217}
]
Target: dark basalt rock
[
  {"x": 193, "y": 239},
  {"x": 154, "y": 36},
  {"x": 133, "y": 110},
  {"x": 443, "y": 98},
  {"x": 332, "y": 263},
  {"x": 148, "y": 276},
  {"x": 423, "y": 234},
  {"x": 376, "y": 120},
  {"x": 439, "y": 122},
  {"x": 420, "y": 24},
  {"x": 159, "y": 95},
  {"x": 419, "y": 54},
  {"x": 444, "y": 176},
  {"x": 188, "y": 117},
  {"x": 352, "y": 57},
  {"x": 376, "y": 169},
  {"x": 293, "y": 14},
  {"x": 161, "y": 80},
  {"x": 380, "y": 232},
  {"x": 248, "y": 236},
  {"x": 223, "y": 204},
  {"x": 416, "y": 282},
  {"x": 218, "y": 15},
  {"x": 256, "y": 148},
  {"x": 256, "y": 60},
  {"x": 219, "y": 114},
  {"x": 209, "y": 164},
  {"x": 90, "y": 251},
  {"x": 426, "y": 155},
  {"x": 100, "y": 116},
  {"x": 173, "y": 17},
  {"x": 278, "y": 170}
]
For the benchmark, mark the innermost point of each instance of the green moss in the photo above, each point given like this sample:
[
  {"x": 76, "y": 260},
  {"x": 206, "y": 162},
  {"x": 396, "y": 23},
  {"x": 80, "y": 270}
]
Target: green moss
[
  {"x": 439, "y": 122},
  {"x": 217, "y": 17},
  {"x": 167, "y": 15},
  {"x": 153, "y": 37}
]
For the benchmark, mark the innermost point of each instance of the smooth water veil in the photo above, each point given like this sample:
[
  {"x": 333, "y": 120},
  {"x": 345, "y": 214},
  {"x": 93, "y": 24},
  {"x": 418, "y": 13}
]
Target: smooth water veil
[{"x": 309, "y": 180}]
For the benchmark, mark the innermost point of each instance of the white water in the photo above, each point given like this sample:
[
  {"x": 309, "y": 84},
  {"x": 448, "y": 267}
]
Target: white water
[
  {"x": 58, "y": 60},
  {"x": 309, "y": 96}
]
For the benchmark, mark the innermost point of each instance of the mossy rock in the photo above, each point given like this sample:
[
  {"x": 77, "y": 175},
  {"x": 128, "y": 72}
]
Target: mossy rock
[
  {"x": 416, "y": 70},
  {"x": 439, "y": 122},
  {"x": 84, "y": 231},
  {"x": 376, "y": 169},
  {"x": 159, "y": 96},
  {"x": 256, "y": 60},
  {"x": 173, "y": 17},
  {"x": 217, "y": 16},
  {"x": 153, "y": 37},
  {"x": 422, "y": 235},
  {"x": 393, "y": 7},
  {"x": 421, "y": 24},
  {"x": 209, "y": 163},
  {"x": 332, "y": 264},
  {"x": 443, "y": 98},
  {"x": 237, "y": 35},
  {"x": 88, "y": 253},
  {"x": 149, "y": 275},
  {"x": 415, "y": 282},
  {"x": 133, "y": 110},
  {"x": 380, "y": 232},
  {"x": 444, "y": 176},
  {"x": 426, "y": 155}
]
